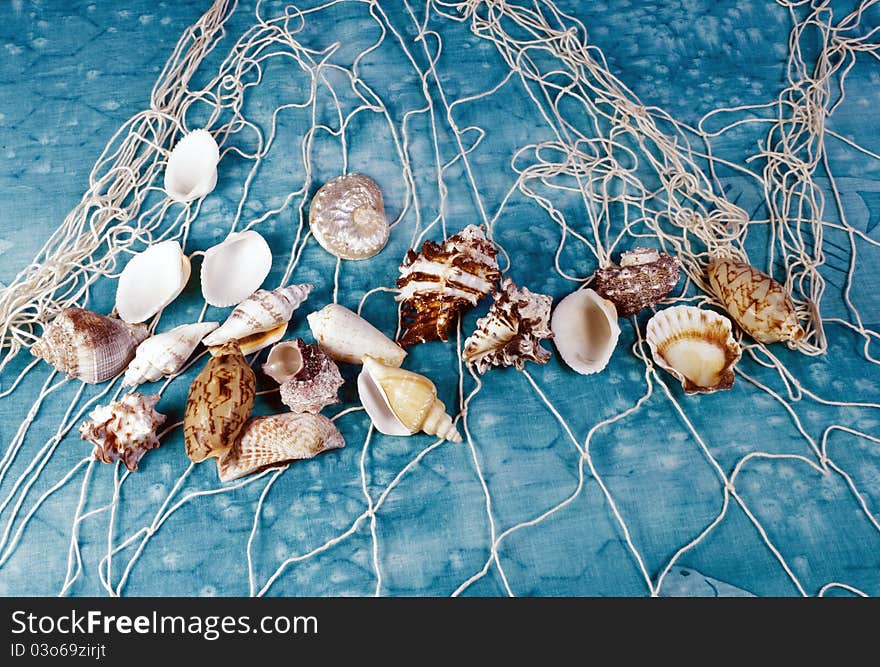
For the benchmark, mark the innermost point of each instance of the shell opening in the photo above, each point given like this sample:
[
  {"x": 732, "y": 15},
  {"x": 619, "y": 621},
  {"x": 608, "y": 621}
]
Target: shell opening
[
  {"x": 378, "y": 408},
  {"x": 284, "y": 361}
]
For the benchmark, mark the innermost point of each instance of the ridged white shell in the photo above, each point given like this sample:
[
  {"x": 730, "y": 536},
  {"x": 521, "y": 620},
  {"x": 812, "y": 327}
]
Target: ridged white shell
[
  {"x": 124, "y": 430},
  {"x": 585, "y": 331},
  {"x": 164, "y": 354},
  {"x": 192, "y": 167},
  {"x": 346, "y": 336},
  {"x": 235, "y": 269},
  {"x": 347, "y": 217},
  {"x": 151, "y": 280}
]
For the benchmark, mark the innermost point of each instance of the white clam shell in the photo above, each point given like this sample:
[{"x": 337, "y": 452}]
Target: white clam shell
[
  {"x": 192, "y": 167},
  {"x": 235, "y": 269},
  {"x": 346, "y": 336},
  {"x": 164, "y": 354},
  {"x": 585, "y": 331},
  {"x": 151, "y": 280},
  {"x": 347, "y": 217}
]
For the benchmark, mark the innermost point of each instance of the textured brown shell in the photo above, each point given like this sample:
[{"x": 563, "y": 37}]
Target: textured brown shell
[
  {"x": 640, "y": 284},
  {"x": 219, "y": 403}
]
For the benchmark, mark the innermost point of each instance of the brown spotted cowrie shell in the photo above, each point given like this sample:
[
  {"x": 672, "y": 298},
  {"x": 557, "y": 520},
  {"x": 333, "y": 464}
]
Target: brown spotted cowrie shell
[{"x": 219, "y": 403}]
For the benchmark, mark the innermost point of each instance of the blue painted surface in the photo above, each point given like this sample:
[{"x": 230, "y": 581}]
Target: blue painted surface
[{"x": 71, "y": 74}]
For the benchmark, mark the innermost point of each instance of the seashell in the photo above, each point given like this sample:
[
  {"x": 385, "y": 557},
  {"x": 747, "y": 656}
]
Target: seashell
[
  {"x": 401, "y": 402},
  {"x": 313, "y": 383},
  {"x": 347, "y": 217},
  {"x": 151, "y": 280},
  {"x": 235, "y": 269},
  {"x": 261, "y": 319},
  {"x": 124, "y": 430},
  {"x": 192, "y": 167},
  {"x": 88, "y": 346},
  {"x": 277, "y": 439},
  {"x": 164, "y": 354},
  {"x": 585, "y": 331},
  {"x": 694, "y": 345},
  {"x": 645, "y": 276},
  {"x": 437, "y": 283},
  {"x": 346, "y": 336},
  {"x": 759, "y": 304},
  {"x": 511, "y": 332},
  {"x": 219, "y": 402}
]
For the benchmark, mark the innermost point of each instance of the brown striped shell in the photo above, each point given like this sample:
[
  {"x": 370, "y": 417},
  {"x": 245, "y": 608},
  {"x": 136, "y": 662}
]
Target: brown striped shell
[{"x": 124, "y": 430}]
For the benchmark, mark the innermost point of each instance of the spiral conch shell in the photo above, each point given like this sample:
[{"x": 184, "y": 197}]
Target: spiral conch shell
[
  {"x": 261, "y": 319},
  {"x": 88, "y": 346},
  {"x": 348, "y": 337},
  {"x": 645, "y": 276},
  {"x": 347, "y": 217},
  {"x": 277, "y": 439},
  {"x": 759, "y": 304},
  {"x": 585, "y": 331},
  {"x": 124, "y": 430},
  {"x": 400, "y": 402},
  {"x": 309, "y": 379},
  {"x": 164, "y": 354},
  {"x": 219, "y": 402},
  {"x": 437, "y": 283},
  {"x": 512, "y": 331}
]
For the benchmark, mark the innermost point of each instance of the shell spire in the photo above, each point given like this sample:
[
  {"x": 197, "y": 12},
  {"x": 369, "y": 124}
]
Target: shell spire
[
  {"x": 164, "y": 354},
  {"x": 124, "y": 430}
]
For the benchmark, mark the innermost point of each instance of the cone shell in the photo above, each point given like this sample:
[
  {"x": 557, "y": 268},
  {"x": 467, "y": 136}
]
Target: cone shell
[
  {"x": 275, "y": 440},
  {"x": 346, "y": 336},
  {"x": 696, "y": 346},
  {"x": 585, "y": 331},
  {"x": 192, "y": 167},
  {"x": 235, "y": 269},
  {"x": 124, "y": 430},
  {"x": 151, "y": 280},
  {"x": 400, "y": 402},
  {"x": 164, "y": 354},
  {"x": 759, "y": 304},
  {"x": 88, "y": 346},
  {"x": 309, "y": 379},
  {"x": 219, "y": 402},
  {"x": 644, "y": 278},
  {"x": 439, "y": 282},
  {"x": 347, "y": 217}
]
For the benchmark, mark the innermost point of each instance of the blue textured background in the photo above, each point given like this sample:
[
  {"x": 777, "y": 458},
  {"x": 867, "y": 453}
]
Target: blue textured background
[{"x": 71, "y": 73}]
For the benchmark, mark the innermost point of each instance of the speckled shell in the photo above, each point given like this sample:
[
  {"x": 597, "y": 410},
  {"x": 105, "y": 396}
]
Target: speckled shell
[
  {"x": 124, "y": 430},
  {"x": 278, "y": 439},
  {"x": 511, "y": 332},
  {"x": 164, "y": 354},
  {"x": 347, "y": 217},
  {"x": 759, "y": 304},
  {"x": 89, "y": 346},
  {"x": 220, "y": 400},
  {"x": 644, "y": 278},
  {"x": 439, "y": 282},
  {"x": 315, "y": 384}
]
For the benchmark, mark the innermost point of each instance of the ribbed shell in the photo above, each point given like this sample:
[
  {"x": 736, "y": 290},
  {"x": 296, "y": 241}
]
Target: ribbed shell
[
  {"x": 644, "y": 278},
  {"x": 347, "y": 217},
  {"x": 124, "y": 430},
  {"x": 315, "y": 384},
  {"x": 164, "y": 354}
]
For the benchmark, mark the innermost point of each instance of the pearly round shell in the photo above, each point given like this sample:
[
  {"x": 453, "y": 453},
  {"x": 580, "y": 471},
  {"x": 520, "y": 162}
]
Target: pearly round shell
[
  {"x": 235, "y": 269},
  {"x": 585, "y": 331},
  {"x": 164, "y": 354},
  {"x": 192, "y": 167},
  {"x": 347, "y": 217},
  {"x": 151, "y": 280},
  {"x": 346, "y": 336},
  {"x": 124, "y": 430}
]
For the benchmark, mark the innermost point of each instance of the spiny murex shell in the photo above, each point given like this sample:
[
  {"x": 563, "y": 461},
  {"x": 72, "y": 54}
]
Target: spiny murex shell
[
  {"x": 192, "y": 167},
  {"x": 645, "y": 276},
  {"x": 694, "y": 345},
  {"x": 164, "y": 354},
  {"x": 261, "y": 319},
  {"x": 124, "y": 430},
  {"x": 277, "y": 439},
  {"x": 348, "y": 337},
  {"x": 347, "y": 217},
  {"x": 219, "y": 402},
  {"x": 511, "y": 332},
  {"x": 235, "y": 269},
  {"x": 437, "y": 283},
  {"x": 400, "y": 402},
  {"x": 759, "y": 304},
  {"x": 88, "y": 346},
  {"x": 309, "y": 379},
  {"x": 151, "y": 280},
  {"x": 585, "y": 331}
]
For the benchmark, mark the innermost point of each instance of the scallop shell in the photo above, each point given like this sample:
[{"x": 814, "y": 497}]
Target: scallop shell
[
  {"x": 347, "y": 217},
  {"x": 348, "y": 337},
  {"x": 759, "y": 304},
  {"x": 124, "y": 430},
  {"x": 277, "y": 439},
  {"x": 219, "y": 402},
  {"x": 585, "y": 331},
  {"x": 235, "y": 269},
  {"x": 164, "y": 354},
  {"x": 151, "y": 280},
  {"x": 512, "y": 331},
  {"x": 88, "y": 346},
  {"x": 261, "y": 319},
  {"x": 439, "y": 282},
  {"x": 696, "y": 346},
  {"x": 309, "y": 379},
  {"x": 400, "y": 402},
  {"x": 192, "y": 167},
  {"x": 644, "y": 278}
]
